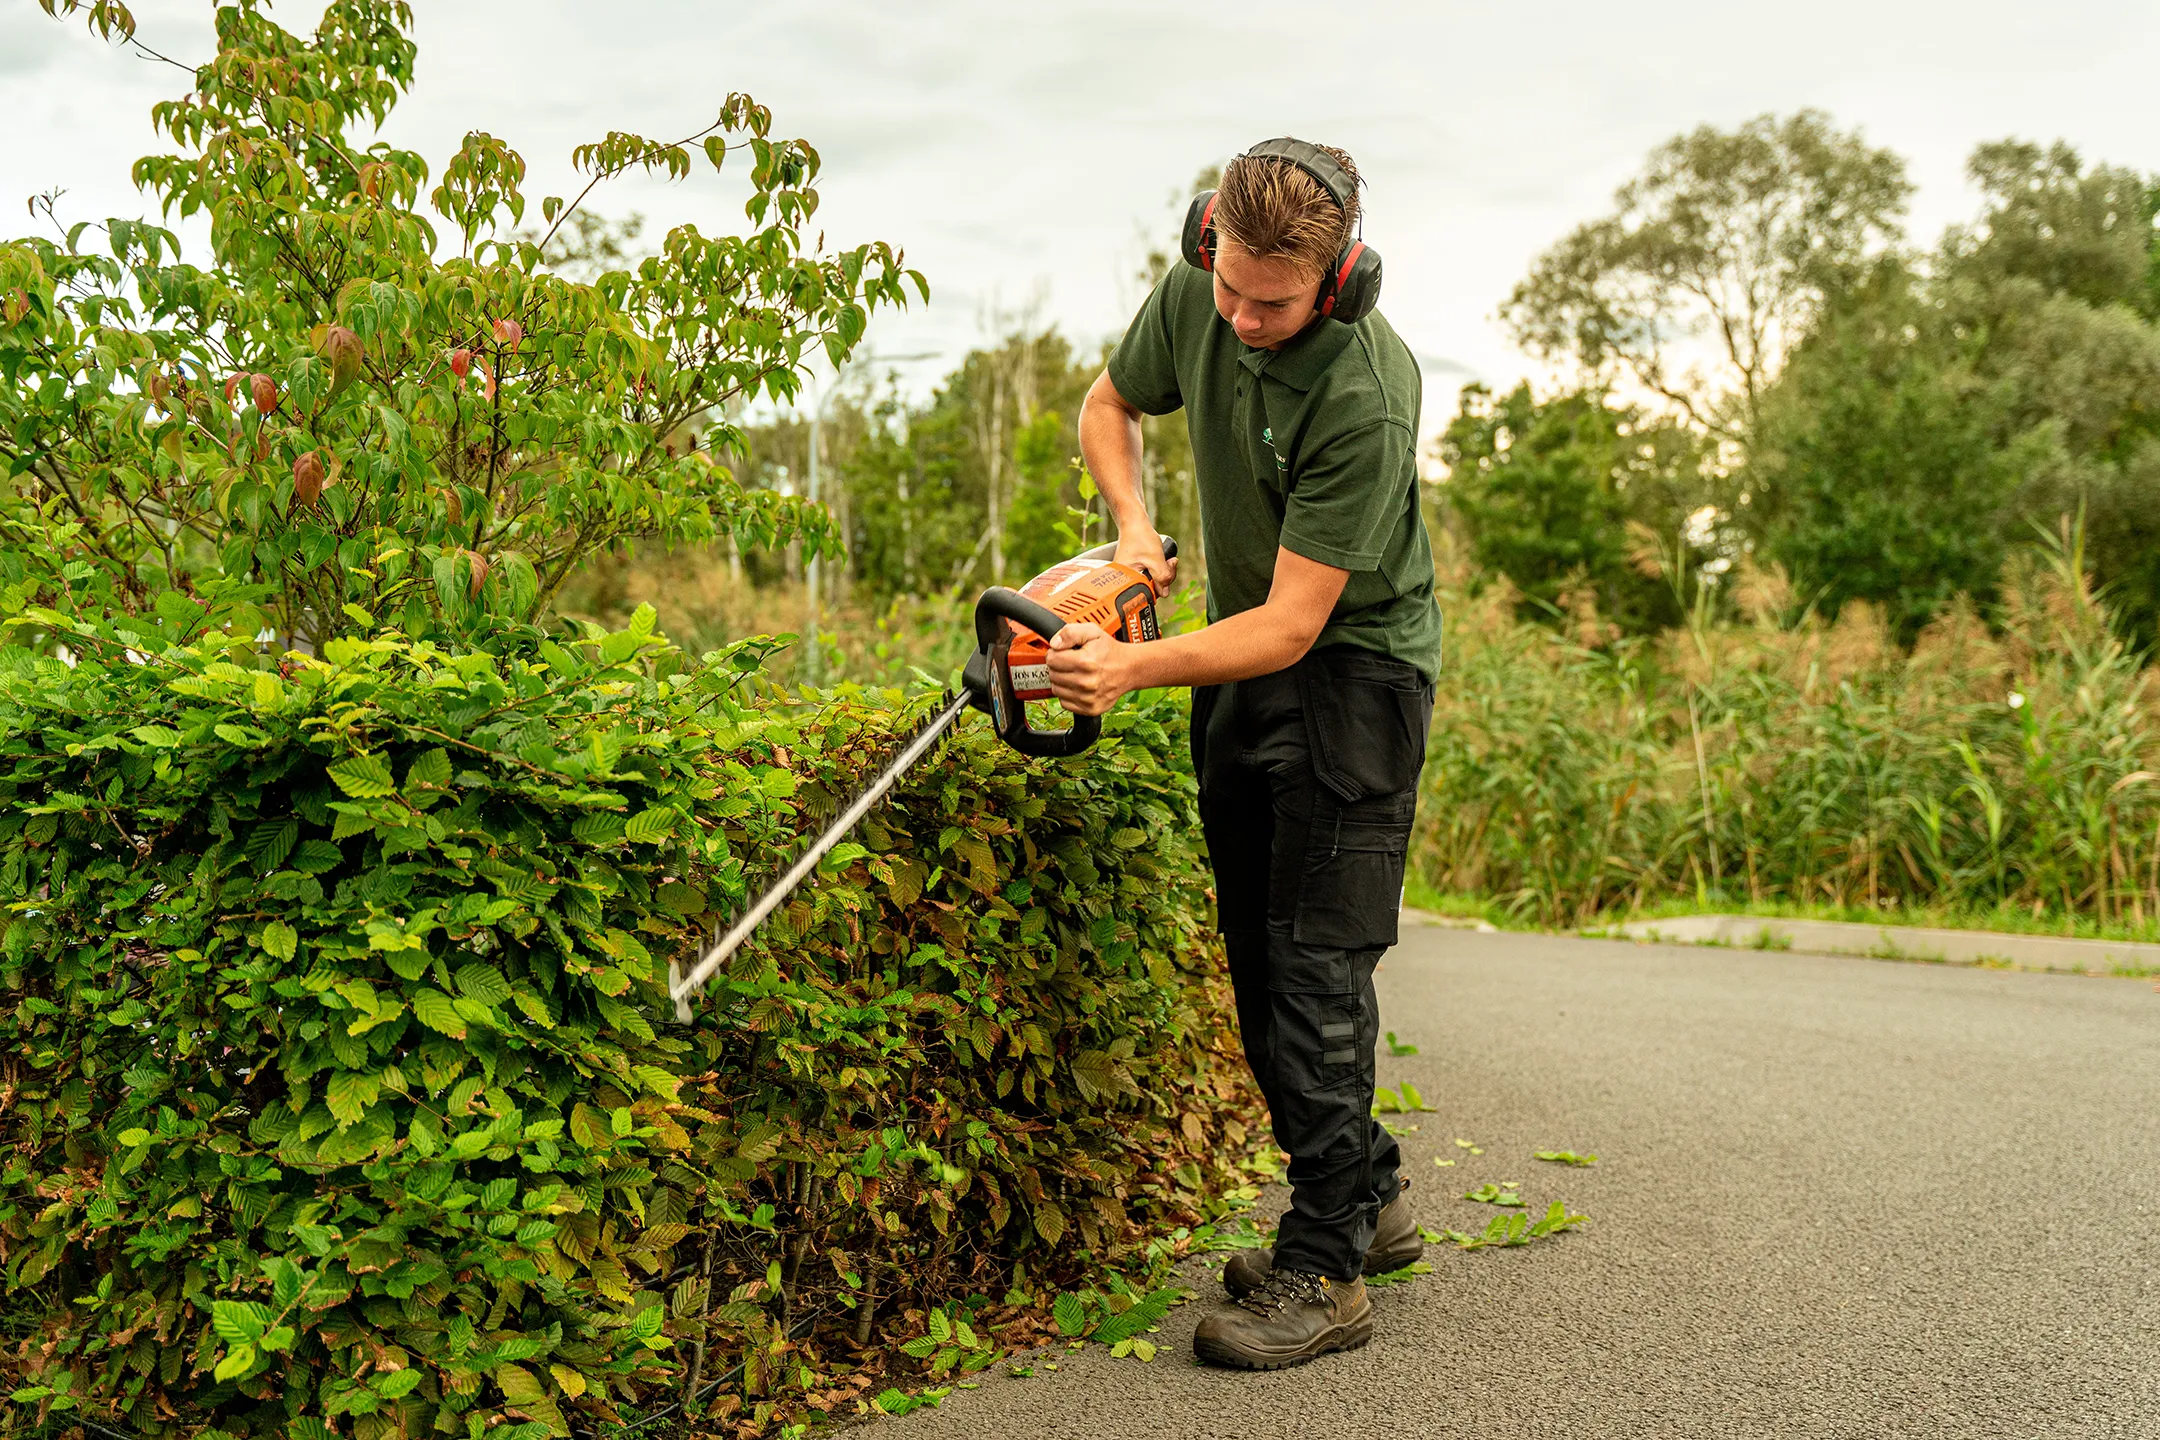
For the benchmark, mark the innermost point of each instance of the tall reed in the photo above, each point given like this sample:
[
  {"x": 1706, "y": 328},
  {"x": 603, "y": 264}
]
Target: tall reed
[{"x": 1781, "y": 759}]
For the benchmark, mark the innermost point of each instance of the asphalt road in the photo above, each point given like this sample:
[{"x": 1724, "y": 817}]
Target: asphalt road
[{"x": 1837, "y": 1197}]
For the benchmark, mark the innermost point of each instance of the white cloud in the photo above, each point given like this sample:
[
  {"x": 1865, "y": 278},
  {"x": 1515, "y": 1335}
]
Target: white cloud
[{"x": 1012, "y": 146}]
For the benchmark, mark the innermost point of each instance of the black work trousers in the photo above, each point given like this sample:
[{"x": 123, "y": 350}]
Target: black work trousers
[{"x": 1308, "y": 782}]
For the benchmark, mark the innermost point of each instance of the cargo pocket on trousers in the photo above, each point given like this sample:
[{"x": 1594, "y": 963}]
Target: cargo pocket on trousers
[
  {"x": 1350, "y": 894},
  {"x": 1366, "y": 716}
]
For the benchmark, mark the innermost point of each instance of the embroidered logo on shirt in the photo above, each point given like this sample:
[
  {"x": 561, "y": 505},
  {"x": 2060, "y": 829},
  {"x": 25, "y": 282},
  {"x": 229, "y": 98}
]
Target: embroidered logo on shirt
[{"x": 1267, "y": 437}]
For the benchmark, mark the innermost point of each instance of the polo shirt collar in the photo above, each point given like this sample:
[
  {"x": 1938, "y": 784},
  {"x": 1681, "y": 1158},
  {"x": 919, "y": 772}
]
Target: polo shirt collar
[{"x": 1302, "y": 362}]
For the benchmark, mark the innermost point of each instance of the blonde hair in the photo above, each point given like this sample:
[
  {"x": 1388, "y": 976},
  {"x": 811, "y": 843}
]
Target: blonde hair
[{"x": 1277, "y": 211}]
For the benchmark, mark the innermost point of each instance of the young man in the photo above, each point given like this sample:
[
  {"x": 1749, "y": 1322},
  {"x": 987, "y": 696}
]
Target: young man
[{"x": 1312, "y": 687}]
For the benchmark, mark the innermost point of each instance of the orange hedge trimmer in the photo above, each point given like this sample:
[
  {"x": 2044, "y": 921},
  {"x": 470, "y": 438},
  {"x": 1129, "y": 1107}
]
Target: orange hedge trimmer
[{"x": 1010, "y": 667}]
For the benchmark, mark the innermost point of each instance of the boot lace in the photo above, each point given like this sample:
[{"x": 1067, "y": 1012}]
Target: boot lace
[{"x": 1286, "y": 1287}]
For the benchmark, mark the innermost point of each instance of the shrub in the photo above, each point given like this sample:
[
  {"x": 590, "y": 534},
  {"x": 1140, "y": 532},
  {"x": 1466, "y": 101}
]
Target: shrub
[
  {"x": 340, "y": 1084},
  {"x": 368, "y": 405}
]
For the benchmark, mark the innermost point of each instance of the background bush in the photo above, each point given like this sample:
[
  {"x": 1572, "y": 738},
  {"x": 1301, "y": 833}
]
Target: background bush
[{"x": 340, "y": 1088}]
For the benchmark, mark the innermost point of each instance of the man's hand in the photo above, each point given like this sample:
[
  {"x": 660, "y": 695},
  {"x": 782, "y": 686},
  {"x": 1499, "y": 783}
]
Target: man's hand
[
  {"x": 1142, "y": 550},
  {"x": 1088, "y": 668}
]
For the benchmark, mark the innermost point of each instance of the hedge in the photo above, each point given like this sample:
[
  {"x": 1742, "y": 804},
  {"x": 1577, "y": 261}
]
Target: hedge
[{"x": 341, "y": 1092}]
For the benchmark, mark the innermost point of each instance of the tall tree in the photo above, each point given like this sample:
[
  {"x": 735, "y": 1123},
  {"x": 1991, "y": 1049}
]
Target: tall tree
[
  {"x": 1872, "y": 471},
  {"x": 2055, "y": 287},
  {"x": 1548, "y": 493},
  {"x": 2050, "y": 222},
  {"x": 1714, "y": 263}
]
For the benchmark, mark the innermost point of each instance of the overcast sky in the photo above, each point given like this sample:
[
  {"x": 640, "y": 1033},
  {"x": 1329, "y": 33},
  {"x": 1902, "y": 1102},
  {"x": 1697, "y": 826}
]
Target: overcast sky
[{"x": 1024, "y": 151}]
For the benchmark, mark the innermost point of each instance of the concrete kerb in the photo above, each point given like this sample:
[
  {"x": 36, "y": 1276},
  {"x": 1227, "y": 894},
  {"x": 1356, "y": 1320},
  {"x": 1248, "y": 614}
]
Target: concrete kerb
[{"x": 1990, "y": 948}]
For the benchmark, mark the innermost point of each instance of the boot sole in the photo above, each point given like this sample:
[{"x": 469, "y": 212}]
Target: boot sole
[{"x": 1352, "y": 1336}]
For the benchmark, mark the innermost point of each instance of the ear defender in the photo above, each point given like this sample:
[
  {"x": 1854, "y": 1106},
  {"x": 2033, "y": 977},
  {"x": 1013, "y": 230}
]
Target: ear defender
[
  {"x": 1349, "y": 296},
  {"x": 1198, "y": 244},
  {"x": 1352, "y": 286}
]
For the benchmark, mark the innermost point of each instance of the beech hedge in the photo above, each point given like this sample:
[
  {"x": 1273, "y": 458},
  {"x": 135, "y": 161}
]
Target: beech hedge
[{"x": 341, "y": 1092}]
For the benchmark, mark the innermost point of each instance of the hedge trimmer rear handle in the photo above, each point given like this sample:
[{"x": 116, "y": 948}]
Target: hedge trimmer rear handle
[
  {"x": 989, "y": 681},
  {"x": 1093, "y": 587}
]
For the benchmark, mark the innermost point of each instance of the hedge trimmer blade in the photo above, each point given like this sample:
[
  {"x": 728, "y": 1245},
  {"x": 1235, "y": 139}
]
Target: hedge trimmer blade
[{"x": 681, "y": 987}]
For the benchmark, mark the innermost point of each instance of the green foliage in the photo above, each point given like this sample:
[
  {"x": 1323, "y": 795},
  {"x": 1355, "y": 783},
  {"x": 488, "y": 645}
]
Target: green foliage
[
  {"x": 2052, "y": 222},
  {"x": 335, "y": 420},
  {"x": 1399, "y": 1048},
  {"x": 1510, "y": 1231},
  {"x": 949, "y": 1342},
  {"x": 1119, "y": 1316},
  {"x": 1546, "y": 494},
  {"x": 1403, "y": 1101},
  {"x": 1491, "y": 1194},
  {"x": 1566, "y": 1157},
  {"x": 2059, "y": 282},
  {"x": 334, "y": 1018},
  {"x": 1720, "y": 250},
  {"x": 345, "y": 1082},
  {"x": 1874, "y": 472},
  {"x": 1803, "y": 762}
]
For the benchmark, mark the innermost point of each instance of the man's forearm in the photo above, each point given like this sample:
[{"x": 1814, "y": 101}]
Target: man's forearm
[
  {"x": 1110, "y": 447},
  {"x": 1238, "y": 647}
]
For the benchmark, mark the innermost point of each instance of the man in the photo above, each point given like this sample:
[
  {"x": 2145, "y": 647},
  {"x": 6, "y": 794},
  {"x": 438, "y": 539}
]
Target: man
[{"x": 1312, "y": 687}]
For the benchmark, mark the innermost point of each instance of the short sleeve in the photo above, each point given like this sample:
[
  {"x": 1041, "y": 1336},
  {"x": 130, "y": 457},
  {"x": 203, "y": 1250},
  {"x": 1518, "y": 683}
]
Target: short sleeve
[
  {"x": 1346, "y": 500},
  {"x": 1144, "y": 365}
]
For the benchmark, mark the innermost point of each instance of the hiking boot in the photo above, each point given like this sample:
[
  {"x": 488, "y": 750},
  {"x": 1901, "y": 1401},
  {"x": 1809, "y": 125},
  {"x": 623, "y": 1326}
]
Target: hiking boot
[
  {"x": 1396, "y": 1243},
  {"x": 1292, "y": 1317}
]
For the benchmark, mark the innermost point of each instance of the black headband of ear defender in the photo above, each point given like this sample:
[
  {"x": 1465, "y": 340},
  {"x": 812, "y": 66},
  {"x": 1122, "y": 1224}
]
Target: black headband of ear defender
[{"x": 1352, "y": 286}]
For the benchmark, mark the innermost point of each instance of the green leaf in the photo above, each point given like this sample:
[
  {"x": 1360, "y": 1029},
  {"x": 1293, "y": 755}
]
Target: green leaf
[
  {"x": 238, "y": 1361},
  {"x": 482, "y": 983},
  {"x": 317, "y": 856},
  {"x": 349, "y": 1094},
  {"x": 1070, "y": 1313},
  {"x": 431, "y": 769},
  {"x": 363, "y": 777},
  {"x": 238, "y": 1322},
  {"x": 271, "y": 841},
  {"x": 439, "y": 1012},
  {"x": 682, "y": 898},
  {"x": 647, "y": 826},
  {"x": 280, "y": 940}
]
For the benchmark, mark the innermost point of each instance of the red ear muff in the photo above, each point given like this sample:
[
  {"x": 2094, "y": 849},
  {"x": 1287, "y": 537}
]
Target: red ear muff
[
  {"x": 1198, "y": 243},
  {"x": 1353, "y": 287},
  {"x": 1349, "y": 259}
]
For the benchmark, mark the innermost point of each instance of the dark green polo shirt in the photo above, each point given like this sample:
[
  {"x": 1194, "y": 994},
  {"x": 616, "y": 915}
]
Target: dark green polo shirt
[{"x": 1312, "y": 448}]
